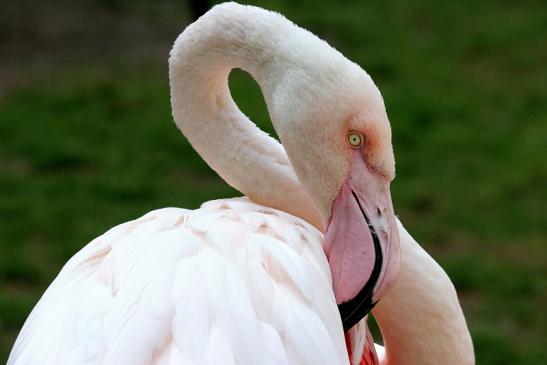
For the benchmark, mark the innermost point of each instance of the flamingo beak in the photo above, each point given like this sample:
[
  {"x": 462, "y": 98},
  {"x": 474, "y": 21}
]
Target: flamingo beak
[{"x": 361, "y": 242}]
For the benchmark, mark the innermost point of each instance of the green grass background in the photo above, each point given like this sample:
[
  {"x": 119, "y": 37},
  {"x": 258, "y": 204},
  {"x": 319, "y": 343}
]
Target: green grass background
[{"x": 87, "y": 140}]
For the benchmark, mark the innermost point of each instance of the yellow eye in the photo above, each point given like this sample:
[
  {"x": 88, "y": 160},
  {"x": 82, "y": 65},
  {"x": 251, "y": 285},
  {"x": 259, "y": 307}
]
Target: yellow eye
[{"x": 355, "y": 139}]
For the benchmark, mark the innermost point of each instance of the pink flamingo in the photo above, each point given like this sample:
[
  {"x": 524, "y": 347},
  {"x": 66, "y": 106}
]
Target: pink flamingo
[{"x": 253, "y": 280}]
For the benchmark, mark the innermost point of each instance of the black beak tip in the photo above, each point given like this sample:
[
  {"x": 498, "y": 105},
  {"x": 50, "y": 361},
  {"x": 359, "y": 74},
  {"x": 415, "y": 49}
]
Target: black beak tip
[{"x": 354, "y": 310}]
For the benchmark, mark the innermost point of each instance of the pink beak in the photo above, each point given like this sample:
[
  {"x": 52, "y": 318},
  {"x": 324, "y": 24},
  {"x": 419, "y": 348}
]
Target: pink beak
[{"x": 361, "y": 242}]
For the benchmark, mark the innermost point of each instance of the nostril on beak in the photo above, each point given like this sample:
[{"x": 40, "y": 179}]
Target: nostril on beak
[{"x": 379, "y": 211}]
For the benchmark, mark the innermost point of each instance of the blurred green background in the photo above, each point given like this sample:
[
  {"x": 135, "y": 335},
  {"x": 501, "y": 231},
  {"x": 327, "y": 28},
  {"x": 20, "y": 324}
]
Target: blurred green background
[{"x": 87, "y": 140}]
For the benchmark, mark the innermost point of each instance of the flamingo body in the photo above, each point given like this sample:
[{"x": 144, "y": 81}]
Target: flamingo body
[
  {"x": 237, "y": 281},
  {"x": 231, "y": 282}
]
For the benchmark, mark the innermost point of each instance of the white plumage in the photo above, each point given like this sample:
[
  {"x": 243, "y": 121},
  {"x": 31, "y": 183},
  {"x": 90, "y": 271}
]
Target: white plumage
[
  {"x": 236, "y": 282},
  {"x": 231, "y": 282}
]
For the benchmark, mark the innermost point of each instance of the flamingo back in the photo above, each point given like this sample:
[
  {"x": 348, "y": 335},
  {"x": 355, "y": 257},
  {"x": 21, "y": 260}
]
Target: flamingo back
[{"x": 230, "y": 282}]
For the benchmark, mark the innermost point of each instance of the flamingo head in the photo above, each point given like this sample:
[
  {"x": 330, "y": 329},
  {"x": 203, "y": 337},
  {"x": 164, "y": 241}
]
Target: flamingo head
[
  {"x": 335, "y": 129},
  {"x": 361, "y": 239}
]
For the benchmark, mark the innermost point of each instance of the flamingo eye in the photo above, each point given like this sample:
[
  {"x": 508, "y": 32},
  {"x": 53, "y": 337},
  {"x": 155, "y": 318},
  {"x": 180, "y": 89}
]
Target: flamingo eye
[{"x": 355, "y": 139}]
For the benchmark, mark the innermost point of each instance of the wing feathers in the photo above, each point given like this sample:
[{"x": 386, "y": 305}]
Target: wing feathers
[{"x": 232, "y": 282}]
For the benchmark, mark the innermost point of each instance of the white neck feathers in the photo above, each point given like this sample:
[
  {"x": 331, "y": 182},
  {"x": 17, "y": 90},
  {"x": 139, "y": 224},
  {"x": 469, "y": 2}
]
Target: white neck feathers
[
  {"x": 421, "y": 320},
  {"x": 233, "y": 36}
]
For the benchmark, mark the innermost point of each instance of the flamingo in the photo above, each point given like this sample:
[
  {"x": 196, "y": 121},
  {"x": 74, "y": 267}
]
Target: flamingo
[{"x": 254, "y": 280}]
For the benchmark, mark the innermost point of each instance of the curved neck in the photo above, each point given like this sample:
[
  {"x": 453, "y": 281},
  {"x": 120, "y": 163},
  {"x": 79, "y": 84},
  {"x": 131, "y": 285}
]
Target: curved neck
[
  {"x": 232, "y": 36},
  {"x": 420, "y": 318}
]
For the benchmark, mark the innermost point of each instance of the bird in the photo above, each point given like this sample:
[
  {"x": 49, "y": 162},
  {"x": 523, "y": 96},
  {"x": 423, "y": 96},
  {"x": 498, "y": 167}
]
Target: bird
[{"x": 286, "y": 274}]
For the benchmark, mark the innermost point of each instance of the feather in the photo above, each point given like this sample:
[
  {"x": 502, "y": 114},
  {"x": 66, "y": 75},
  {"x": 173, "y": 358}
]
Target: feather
[{"x": 231, "y": 282}]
